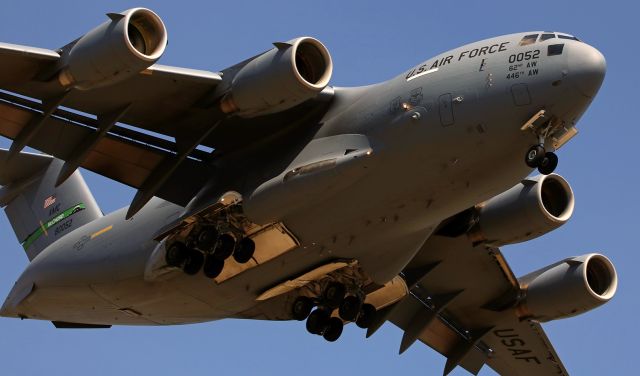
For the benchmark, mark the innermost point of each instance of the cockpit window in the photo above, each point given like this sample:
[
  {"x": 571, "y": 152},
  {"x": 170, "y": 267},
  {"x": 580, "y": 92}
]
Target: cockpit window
[
  {"x": 528, "y": 39},
  {"x": 571, "y": 37},
  {"x": 544, "y": 37},
  {"x": 555, "y": 49}
]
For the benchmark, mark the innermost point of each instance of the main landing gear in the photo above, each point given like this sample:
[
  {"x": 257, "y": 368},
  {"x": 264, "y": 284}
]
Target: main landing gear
[
  {"x": 545, "y": 161},
  {"x": 350, "y": 306},
  {"x": 207, "y": 250}
]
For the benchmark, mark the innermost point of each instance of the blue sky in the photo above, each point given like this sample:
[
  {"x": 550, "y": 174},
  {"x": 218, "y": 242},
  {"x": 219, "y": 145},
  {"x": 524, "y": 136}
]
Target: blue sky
[{"x": 370, "y": 41}]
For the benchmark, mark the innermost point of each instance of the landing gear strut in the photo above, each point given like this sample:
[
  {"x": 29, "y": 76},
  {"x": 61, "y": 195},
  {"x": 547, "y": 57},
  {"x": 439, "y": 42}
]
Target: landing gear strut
[{"x": 537, "y": 157}]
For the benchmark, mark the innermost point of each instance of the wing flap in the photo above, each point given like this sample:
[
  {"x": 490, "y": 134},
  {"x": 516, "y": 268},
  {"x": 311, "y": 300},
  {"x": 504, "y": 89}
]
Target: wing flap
[
  {"x": 116, "y": 157},
  {"x": 159, "y": 96},
  {"x": 479, "y": 325},
  {"x": 437, "y": 334}
]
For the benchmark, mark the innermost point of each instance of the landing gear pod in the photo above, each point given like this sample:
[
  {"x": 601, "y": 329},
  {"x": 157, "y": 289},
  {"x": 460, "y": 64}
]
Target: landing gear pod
[
  {"x": 122, "y": 47},
  {"x": 279, "y": 79}
]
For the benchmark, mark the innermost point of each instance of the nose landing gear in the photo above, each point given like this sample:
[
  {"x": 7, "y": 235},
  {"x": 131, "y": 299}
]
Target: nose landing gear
[{"x": 545, "y": 161}]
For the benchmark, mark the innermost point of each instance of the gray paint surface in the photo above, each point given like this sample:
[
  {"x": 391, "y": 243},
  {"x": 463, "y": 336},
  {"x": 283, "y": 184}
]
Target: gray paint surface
[{"x": 444, "y": 148}]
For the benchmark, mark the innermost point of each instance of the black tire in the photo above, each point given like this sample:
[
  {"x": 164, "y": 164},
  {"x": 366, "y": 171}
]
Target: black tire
[
  {"x": 548, "y": 164},
  {"x": 193, "y": 262},
  {"x": 367, "y": 315},
  {"x": 301, "y": 308},
  {"x": 225, "y": 246},
  {"x": 317, "y": 321},
  {"x": 333, "y": 329},
  {"x": 176, "y": 255},
  {"x": 334, "y": 294},
  {"x": 212, "y": 267},
  {"x": 350, "y": 308},
  {"x": 207, "y": 238},
  {"x": 534, "y": 156},
  {"x": 244, "y": 251}
]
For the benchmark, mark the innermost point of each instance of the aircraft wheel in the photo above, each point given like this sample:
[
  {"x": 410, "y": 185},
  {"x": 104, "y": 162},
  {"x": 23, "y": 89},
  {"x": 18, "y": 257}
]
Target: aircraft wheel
[
  {"x": 317, "y": 321},
  {"x": 534, "y": 156},
  {"x": 193, "y": 262},
  {"x": 548, "y": 164},
  {"x": 366, "y": 317},
  {"x": 225, "y": 246},
  {"x": 212, "y": 267},
  {"x": 333, "y": 329},
  {"x": 334, "y": 294},
  {"x": 350, "y": 308},
  {"x": 302, "y": 307},
  {"x": 176, "y": 255},
  {"x": 207, "y": 238},
  {"x": 244, "y": 251}
]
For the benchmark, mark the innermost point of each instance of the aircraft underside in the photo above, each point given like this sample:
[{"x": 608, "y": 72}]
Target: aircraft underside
[{"x": 314, "y": 203}]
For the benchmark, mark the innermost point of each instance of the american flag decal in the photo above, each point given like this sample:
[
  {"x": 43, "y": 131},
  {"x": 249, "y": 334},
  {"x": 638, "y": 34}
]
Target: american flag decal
[{"x": 49, "y": 201}]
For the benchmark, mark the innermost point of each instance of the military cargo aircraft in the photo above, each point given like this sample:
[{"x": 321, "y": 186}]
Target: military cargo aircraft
[{"x": 265, "y": 193}]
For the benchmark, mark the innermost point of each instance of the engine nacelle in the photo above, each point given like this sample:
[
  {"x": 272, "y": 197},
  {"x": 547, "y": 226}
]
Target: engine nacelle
[
  {"x": 120, "y": 48},
  {"x": 530, "y": 209},
  {"x": 279, "y": 79},
  {"x": 568, "y": 288}
]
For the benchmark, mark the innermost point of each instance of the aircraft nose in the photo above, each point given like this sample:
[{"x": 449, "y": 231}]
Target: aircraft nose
[{"x": 587, "y": 68}]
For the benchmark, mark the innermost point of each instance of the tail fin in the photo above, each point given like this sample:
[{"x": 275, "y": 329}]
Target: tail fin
[{"x": 39, "y": 212}]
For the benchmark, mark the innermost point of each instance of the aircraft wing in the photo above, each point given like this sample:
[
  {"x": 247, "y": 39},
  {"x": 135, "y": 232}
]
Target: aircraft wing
[
  {"x": 461, "y": 305},
  {"x": 143, "y": 131},
  {"x": 161, "y": 99},
  {"x": 158, "y": 96}
]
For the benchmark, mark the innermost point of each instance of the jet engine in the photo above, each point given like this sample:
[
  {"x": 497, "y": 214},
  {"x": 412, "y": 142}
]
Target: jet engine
[
  {"x": 280, "y": 78},
  {"x": 120, "y": 48},
  {"x": 568, "y": 288},
  {"x": 532, "y": 208}
]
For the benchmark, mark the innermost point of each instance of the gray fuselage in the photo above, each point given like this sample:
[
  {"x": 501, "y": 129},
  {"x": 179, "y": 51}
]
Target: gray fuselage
[{"x": 444, "y": 135}]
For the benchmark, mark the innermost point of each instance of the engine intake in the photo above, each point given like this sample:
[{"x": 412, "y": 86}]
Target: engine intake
[
  {"x": 120, "y": 48},
  {"x": 568, "y": 288},
  {"x": 532, "y": 208},
  {"x": 280, "y": 78}
]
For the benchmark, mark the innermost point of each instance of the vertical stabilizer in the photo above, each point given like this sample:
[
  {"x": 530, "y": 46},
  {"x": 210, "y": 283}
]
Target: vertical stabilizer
[{"x": 39, "y": 212}]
